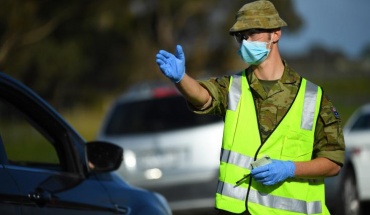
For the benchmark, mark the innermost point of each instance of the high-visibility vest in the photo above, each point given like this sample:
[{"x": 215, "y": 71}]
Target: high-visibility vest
[{"x": 292, "y": 140}]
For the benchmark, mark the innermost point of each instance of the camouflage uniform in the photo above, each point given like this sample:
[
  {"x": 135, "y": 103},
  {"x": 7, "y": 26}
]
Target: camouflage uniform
[{"x": 272, "y": 106}]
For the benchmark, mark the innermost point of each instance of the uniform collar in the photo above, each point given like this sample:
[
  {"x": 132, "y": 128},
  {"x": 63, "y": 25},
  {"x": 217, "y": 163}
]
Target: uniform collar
[{"x": 289, "y": 77}]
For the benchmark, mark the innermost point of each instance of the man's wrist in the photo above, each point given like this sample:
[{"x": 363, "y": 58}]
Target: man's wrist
[
  {"x": 291, "y": 169},
  {"x": 177, "y": 80}
]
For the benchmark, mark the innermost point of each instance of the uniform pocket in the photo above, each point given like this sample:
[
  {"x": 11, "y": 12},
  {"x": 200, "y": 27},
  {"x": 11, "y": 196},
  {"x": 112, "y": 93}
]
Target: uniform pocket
[{"x": 297, "y": 146}]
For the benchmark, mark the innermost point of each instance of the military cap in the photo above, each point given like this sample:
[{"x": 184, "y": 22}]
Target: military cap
[{"x": 260, "y": 14}]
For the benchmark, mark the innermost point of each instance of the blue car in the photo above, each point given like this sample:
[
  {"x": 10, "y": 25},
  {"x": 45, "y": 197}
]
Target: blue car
[{"x": 47, "y": 168}]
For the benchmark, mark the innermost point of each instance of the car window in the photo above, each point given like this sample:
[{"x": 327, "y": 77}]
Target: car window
[
  {"x": 23, "y": 143},
  {"x": 362, "y": 123},
  {"x": 154, "y": 115}
]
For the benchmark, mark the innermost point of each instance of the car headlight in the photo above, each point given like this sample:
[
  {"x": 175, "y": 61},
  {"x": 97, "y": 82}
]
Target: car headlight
[
  {"x": 129, "y": 158},
  {"x": 153, "y": 174}
]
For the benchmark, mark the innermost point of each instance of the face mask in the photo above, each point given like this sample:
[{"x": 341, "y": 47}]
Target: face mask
[{"x": 254, "y": 52}]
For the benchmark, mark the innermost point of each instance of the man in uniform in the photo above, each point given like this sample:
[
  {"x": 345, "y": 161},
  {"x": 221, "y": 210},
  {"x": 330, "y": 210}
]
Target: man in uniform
[{"x": 273, "y": 116}]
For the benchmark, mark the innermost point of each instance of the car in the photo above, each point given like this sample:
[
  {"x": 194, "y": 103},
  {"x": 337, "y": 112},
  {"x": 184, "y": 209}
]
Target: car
[
  {"x": 349, "y": 192},
  {"x": 168, "y": 148},
  {"x": 46, "y": 167}
]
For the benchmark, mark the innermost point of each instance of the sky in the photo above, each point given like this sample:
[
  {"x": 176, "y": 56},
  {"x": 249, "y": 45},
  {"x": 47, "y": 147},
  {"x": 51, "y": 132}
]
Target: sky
[{"x": 342, "y": 25}]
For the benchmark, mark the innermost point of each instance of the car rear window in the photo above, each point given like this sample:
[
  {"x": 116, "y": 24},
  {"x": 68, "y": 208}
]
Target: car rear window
[
  {"x": 154, "y": 115},
  {"x": 362, "y": 123}
]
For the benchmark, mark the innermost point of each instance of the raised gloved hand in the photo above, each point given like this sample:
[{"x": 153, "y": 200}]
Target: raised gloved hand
[
  {"x": 172, "y": 66},
  {"x": 274, "y": 172}
]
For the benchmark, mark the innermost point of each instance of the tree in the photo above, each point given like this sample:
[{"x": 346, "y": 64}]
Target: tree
[{"x": 80, "y": 51}]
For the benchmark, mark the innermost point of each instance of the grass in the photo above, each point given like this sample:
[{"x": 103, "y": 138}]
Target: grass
[
  {"x": 347, "y": 94},
  {"x": 86, "y": 120},
  {"x": 30, "y": 146}
]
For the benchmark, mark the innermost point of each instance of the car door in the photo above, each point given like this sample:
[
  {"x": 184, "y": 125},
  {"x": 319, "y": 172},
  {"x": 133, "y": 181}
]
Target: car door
[
  {"x": 10, "y": 203},
  {"x": 43, "y": 172}
]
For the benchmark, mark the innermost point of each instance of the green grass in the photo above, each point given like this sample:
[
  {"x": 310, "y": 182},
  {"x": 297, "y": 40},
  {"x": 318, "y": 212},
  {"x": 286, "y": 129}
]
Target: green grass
[
  {"x": 347, "y": 94},
  {"x": 29, "y": 146},
  {"x": 86, "y": 120}
]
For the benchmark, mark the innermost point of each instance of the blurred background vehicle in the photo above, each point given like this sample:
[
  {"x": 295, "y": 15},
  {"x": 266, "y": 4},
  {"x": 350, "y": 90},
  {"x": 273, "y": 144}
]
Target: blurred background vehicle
[
  {"x": 168, "y": 149},
  {"x": 47, "y": 168},
  {"x": 349, "y": 192}
]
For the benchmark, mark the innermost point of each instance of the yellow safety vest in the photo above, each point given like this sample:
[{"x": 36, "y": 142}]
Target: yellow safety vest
[{"x": 292, "y": 140}]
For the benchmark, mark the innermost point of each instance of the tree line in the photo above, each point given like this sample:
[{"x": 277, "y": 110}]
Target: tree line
[{"x": 77, "y": 52}]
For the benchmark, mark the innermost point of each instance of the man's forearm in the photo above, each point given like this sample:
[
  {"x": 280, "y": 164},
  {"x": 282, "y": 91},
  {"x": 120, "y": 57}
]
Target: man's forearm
[
  {"x": 316, "y": 168},
  {"x": 194, "y": 93}
]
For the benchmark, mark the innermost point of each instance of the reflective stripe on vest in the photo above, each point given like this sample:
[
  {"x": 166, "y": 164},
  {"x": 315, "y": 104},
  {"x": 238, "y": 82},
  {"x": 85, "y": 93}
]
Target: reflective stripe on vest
[
  {"x": 235, "y": 92},
  {"x": 309, "y": 106},
  {"x": 240, "y": 160},
  {"x": 271, "y": 201},
  {"x": 236, "y": 158}
]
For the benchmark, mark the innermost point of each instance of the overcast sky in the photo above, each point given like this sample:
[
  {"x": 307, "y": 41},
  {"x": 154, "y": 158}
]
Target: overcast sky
[{"x": 336, "y": 24}]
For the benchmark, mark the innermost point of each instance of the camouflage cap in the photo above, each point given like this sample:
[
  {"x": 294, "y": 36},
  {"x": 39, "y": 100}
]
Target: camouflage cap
[{"x": 258, "y": 14}]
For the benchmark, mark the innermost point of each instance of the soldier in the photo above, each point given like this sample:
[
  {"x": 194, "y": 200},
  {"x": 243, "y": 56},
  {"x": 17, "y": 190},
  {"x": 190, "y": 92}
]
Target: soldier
[{"x": 269, "y": 110}]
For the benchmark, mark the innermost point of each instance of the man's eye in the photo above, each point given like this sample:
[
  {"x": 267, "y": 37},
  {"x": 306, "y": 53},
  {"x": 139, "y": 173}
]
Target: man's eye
[{"x": 252, "y": 32}]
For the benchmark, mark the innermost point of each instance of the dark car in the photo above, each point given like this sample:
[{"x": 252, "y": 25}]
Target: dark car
[{"x": 47, "y": 168}]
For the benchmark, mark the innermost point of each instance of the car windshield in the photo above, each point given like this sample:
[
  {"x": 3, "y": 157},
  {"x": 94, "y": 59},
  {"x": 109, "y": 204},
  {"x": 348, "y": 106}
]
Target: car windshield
[{"x": 154, "y": 115}]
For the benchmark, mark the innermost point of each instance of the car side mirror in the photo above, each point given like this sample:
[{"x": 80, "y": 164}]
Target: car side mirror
[{"x": 103, "y": 156}]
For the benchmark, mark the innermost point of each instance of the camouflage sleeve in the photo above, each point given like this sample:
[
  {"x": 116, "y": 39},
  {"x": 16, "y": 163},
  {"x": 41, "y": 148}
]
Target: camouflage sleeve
[
  {"x": 329, "y": 141},
  {"x": 218, "y": 88}
]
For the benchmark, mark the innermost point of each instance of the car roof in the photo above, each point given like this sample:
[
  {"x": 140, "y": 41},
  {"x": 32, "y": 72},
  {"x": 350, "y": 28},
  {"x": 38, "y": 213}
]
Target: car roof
[
  {"x": 147, "y": 90},
  {"x": 363, "y": 109}
]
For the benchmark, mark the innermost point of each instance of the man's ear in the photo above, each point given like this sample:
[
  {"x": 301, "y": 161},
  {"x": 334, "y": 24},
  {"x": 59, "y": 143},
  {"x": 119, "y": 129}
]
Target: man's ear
[{"x": 276, "y": 36}]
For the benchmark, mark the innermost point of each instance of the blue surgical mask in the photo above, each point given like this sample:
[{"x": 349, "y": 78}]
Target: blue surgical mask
[{"x": 254, "y": 52}]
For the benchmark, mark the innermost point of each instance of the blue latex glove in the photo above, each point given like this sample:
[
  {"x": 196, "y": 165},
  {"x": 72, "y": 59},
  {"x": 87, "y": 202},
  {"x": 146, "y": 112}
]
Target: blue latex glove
[
  {"x": 172, "y": 66},
  {"x": 274, "y": 172}
]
